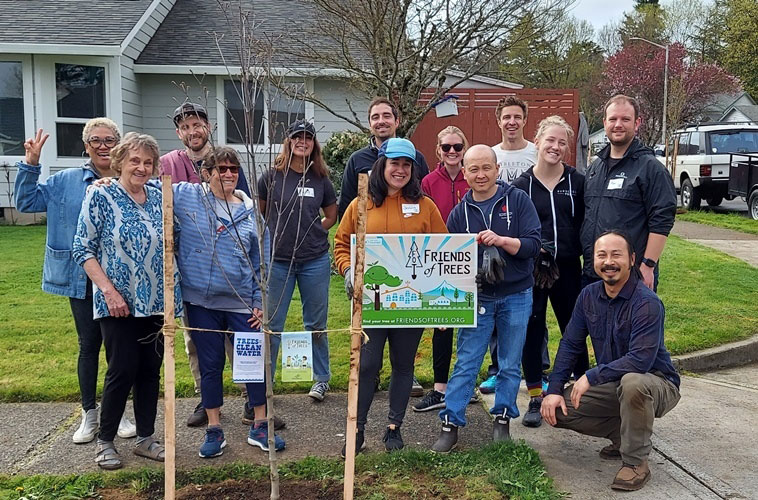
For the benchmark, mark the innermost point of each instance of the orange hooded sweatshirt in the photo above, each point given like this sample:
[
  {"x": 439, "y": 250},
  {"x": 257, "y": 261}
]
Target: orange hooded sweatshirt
[{"x": 422, "y": 217}]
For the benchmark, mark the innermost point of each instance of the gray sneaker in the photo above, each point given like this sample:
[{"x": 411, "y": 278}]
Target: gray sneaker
[
  {"x": 88, "y": 428},
  {"x": 319, "y": 390},
  {"x": 417, "y": 390},
  {"x": 126, "y": 429}
]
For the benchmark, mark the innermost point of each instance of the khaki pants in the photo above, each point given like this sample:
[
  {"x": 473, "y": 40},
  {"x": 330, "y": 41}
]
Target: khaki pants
[
  {"x": 189, "y": 348},
  {"x": 622, "y": 411}
]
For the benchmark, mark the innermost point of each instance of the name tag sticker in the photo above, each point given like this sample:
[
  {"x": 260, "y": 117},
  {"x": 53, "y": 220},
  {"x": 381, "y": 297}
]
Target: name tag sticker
[
  {"x": 306, "y": 192},
  {"x": 616, "y": 183},
  {"x": 410, "y": 208}
]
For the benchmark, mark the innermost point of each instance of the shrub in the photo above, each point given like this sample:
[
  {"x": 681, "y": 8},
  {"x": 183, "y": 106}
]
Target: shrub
[{"x": 337, "y": 151}]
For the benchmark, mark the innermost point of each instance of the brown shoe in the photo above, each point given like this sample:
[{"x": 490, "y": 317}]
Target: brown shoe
[
  {"x": 610, "y": 452},
  {"x": 631, "y": 477}
]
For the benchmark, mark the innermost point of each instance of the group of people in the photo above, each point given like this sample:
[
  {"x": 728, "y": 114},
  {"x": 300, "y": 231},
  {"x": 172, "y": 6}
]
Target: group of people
[{"x": 534, "y": 218}]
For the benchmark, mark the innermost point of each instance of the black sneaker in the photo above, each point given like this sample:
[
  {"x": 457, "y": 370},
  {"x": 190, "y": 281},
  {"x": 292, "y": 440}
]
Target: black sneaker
[
  {"x": 432, "y": 401},
  {"x": 417, "y": 390},
  {"x": 248, "y": 418},
  {"x": 360, "y": 444},
  {"x": 198, "y": 418},
  {"x": 393, "y": 440},
  {"x": 501, "y": 428},
  {"x": 533, "y": 417},
  {"x": 447, "y": 440}
]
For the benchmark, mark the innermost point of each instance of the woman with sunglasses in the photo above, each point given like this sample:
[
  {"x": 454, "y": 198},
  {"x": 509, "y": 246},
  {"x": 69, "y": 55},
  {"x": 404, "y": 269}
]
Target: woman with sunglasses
[
  {"x": 396, "y": 205},
  {"x": 292, "y": 196},
  {"x": 61, "y": 196},
  {"x": 446, "y": 186},
  {"x": 220, "y": 262}
]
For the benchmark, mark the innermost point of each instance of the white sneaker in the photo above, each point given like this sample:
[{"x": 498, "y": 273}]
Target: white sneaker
[
  {"x": 88, "y": 428},
  {"x": 126, "y": 429}
]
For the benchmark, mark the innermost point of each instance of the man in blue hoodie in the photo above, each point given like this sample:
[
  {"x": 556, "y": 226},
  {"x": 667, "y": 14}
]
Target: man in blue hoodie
[{"x": 508, "y": 232}]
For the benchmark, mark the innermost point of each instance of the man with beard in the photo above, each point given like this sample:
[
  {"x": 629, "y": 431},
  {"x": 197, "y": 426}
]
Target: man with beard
[
  {"x": 191, "y": 121},
  {"x": 634, "y": 381},
  {"x": 626, "y": 186}
]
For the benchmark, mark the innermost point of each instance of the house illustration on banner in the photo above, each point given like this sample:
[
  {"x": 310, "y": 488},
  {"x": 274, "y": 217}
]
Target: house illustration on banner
[
  {"x": 401, "y": 298},
  {"x": 440, "y": 301}
]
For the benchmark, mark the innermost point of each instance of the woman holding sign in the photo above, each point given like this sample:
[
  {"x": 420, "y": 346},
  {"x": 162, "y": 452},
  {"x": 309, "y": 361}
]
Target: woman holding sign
[
  {"x": 292, "y": 196},
  {"x": 396, "y": 205},
  {"x": 219, "y": 260}
]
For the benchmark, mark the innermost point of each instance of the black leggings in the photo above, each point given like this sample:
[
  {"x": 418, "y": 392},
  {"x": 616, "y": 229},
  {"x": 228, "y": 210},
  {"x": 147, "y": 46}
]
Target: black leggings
[
  {"x": 90, "y": 340},
  {"x": 134, "y": 352},
  {"x": 403, "y": 346},
  {"x": 562, "y": 295},
  {"x": 442, "y": 352}
]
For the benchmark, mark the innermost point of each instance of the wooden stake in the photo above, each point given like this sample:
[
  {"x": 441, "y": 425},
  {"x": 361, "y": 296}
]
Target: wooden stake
[
  {"x": 356, "y": 339},
  {"x": 169, "y": 332},
  {"x": 268, "y": 372}
]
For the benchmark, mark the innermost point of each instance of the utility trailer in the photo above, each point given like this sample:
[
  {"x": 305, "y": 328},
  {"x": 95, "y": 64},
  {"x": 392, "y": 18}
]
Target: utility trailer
[{"x": 743, "y": 179}]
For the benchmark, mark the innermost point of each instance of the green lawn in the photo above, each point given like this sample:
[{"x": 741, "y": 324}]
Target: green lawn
[
  {"x": 710, "y": 299},
  {"x": 500, "y": 470},
  {"x": 728, "y": 221}
]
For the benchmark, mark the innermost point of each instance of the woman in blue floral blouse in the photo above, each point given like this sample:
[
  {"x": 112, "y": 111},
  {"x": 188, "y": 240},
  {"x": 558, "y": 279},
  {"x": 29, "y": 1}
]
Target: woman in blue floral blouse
[{"x": 119, "y": 244}]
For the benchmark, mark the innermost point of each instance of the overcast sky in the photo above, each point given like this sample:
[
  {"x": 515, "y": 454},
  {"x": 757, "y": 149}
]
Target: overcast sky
[{"x": 599, "y": 12}]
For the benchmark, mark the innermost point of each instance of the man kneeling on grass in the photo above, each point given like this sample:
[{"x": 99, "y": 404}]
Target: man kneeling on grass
[
  {"x": 634, "y": 380},
  {"x": 507, "y": 229}
]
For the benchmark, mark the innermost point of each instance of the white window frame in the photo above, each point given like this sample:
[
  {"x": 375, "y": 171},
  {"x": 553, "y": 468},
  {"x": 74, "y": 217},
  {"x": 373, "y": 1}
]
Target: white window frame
[
  {"x": 47, "y": 108},
  {"x": 28, "y": 95},
  {"x": 259, "y": 148}
]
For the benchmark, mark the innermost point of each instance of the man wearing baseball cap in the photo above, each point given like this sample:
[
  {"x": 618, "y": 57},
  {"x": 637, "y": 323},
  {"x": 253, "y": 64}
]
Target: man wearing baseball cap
[
  {"x": 191, "y": 121},
  {"x": 192, "y": 128}
]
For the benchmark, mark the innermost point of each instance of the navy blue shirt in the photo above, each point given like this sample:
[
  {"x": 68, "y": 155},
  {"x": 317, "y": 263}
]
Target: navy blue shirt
[{"x": 626, "y": 333}]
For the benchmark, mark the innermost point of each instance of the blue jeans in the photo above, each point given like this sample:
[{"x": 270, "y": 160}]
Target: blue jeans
[
  {"x": 312, "y": 278},
  {"x": 211, "y": 353},
  {"x": 511, "y": 315}
]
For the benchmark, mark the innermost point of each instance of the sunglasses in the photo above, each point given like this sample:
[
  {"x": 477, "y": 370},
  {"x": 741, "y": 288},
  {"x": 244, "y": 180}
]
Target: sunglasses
[
  {"x": 223, "y": 168},
  {"x": 446, "y": 147}
]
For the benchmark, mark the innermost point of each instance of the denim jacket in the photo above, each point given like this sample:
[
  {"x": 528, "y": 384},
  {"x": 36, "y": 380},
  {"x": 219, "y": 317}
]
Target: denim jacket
[{"x": 61, "y": 196}]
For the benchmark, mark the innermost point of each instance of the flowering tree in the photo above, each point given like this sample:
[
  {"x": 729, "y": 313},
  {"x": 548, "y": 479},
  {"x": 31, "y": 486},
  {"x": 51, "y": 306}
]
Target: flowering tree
[{"x": 637, "y": 70}]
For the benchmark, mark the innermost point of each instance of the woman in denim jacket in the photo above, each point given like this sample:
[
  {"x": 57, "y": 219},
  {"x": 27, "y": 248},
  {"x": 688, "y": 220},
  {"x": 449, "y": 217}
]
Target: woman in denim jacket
[{"x": 61, "y": 196}]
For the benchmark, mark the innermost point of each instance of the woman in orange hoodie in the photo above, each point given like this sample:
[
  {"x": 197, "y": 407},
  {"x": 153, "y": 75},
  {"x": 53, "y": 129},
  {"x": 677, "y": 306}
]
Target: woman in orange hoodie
[{"x": 396, "y": 205}]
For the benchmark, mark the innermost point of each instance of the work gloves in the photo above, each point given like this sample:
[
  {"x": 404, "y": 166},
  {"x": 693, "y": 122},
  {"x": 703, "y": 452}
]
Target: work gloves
[
  {"x": 545, "y": 269},
  {"x": 349, "y": 283},
  {"x": 492, "y": 270}
]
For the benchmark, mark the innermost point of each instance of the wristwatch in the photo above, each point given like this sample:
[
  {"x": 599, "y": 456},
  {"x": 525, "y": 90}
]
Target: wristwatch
[{"x": 649, "y": 262}]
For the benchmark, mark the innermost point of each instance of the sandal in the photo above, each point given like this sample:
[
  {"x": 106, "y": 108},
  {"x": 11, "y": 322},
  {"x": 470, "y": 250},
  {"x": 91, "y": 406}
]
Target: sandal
[
  {"x": 107, "y": 457},
  {"x": 152, "y": 449}
]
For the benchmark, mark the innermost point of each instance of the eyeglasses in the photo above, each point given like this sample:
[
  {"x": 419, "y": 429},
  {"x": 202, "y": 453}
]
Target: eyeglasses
[
  {"x": 96, "y": 142},
  {"x": 223, "y": 168},
  {"x": 446, "y": 147}
]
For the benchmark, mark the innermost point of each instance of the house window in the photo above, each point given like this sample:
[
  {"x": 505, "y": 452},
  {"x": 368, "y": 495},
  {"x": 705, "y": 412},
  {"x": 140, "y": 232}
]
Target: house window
[
  {"x": 79, "y": 95},
  {"x": 11, "y": 108},
  {"x": 264, "y": 102}
]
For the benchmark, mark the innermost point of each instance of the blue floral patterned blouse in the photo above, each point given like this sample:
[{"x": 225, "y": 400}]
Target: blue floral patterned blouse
[{"x": 126, "y": 238}]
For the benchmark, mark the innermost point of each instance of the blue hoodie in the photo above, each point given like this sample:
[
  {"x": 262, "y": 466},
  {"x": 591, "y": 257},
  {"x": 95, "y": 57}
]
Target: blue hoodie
[
  {"x": 219, "y": 266},
  {"x": 513, "y": 215}
]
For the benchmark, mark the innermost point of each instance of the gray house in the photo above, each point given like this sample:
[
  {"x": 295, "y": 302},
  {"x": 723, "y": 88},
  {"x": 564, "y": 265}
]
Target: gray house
[{"x": 64, "y": 62}]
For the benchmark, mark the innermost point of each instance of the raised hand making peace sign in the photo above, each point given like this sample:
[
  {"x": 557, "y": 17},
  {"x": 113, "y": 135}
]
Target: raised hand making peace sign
[{"x": 33, "y": 148}]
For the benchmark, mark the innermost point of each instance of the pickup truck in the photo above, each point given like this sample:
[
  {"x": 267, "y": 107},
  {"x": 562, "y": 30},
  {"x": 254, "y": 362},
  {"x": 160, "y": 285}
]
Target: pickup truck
[{"x": 743, "y": 180}]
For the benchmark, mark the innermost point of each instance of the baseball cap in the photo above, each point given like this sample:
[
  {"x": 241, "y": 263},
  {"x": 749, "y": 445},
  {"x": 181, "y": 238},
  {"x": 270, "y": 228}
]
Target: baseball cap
[
  {"x": 189, "y": 109},
  {"x": 301, "y": 126},
  {"x": 396, "y": 147}
]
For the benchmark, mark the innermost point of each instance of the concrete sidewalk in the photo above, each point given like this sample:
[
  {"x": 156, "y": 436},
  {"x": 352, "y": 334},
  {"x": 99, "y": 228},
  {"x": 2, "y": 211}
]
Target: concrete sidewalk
[
  {"x": 705, "y": 448},
  {"x": 744, "y": 246}
]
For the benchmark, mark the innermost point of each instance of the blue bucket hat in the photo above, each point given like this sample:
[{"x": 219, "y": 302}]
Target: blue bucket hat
[{"x": 398, "y": 148}]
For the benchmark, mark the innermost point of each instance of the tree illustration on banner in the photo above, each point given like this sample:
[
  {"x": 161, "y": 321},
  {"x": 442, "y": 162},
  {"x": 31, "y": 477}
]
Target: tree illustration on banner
[
  {"x": 414, "y": 259},
  {"x": 469, "y": 297},
  {"x": 376, "y": 276}
]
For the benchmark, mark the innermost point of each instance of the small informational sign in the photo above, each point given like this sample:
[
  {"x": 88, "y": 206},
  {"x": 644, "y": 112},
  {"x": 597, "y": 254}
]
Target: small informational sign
[
  {"x": 419, "y": 280},
  {"x": 248, "y": 358},
  {"x": 297, "y": 357}
]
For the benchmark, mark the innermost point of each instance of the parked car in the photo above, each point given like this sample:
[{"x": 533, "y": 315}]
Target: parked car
[
  {"x": 743, "y": 180},
  {"x": 698, "y": 159}
]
